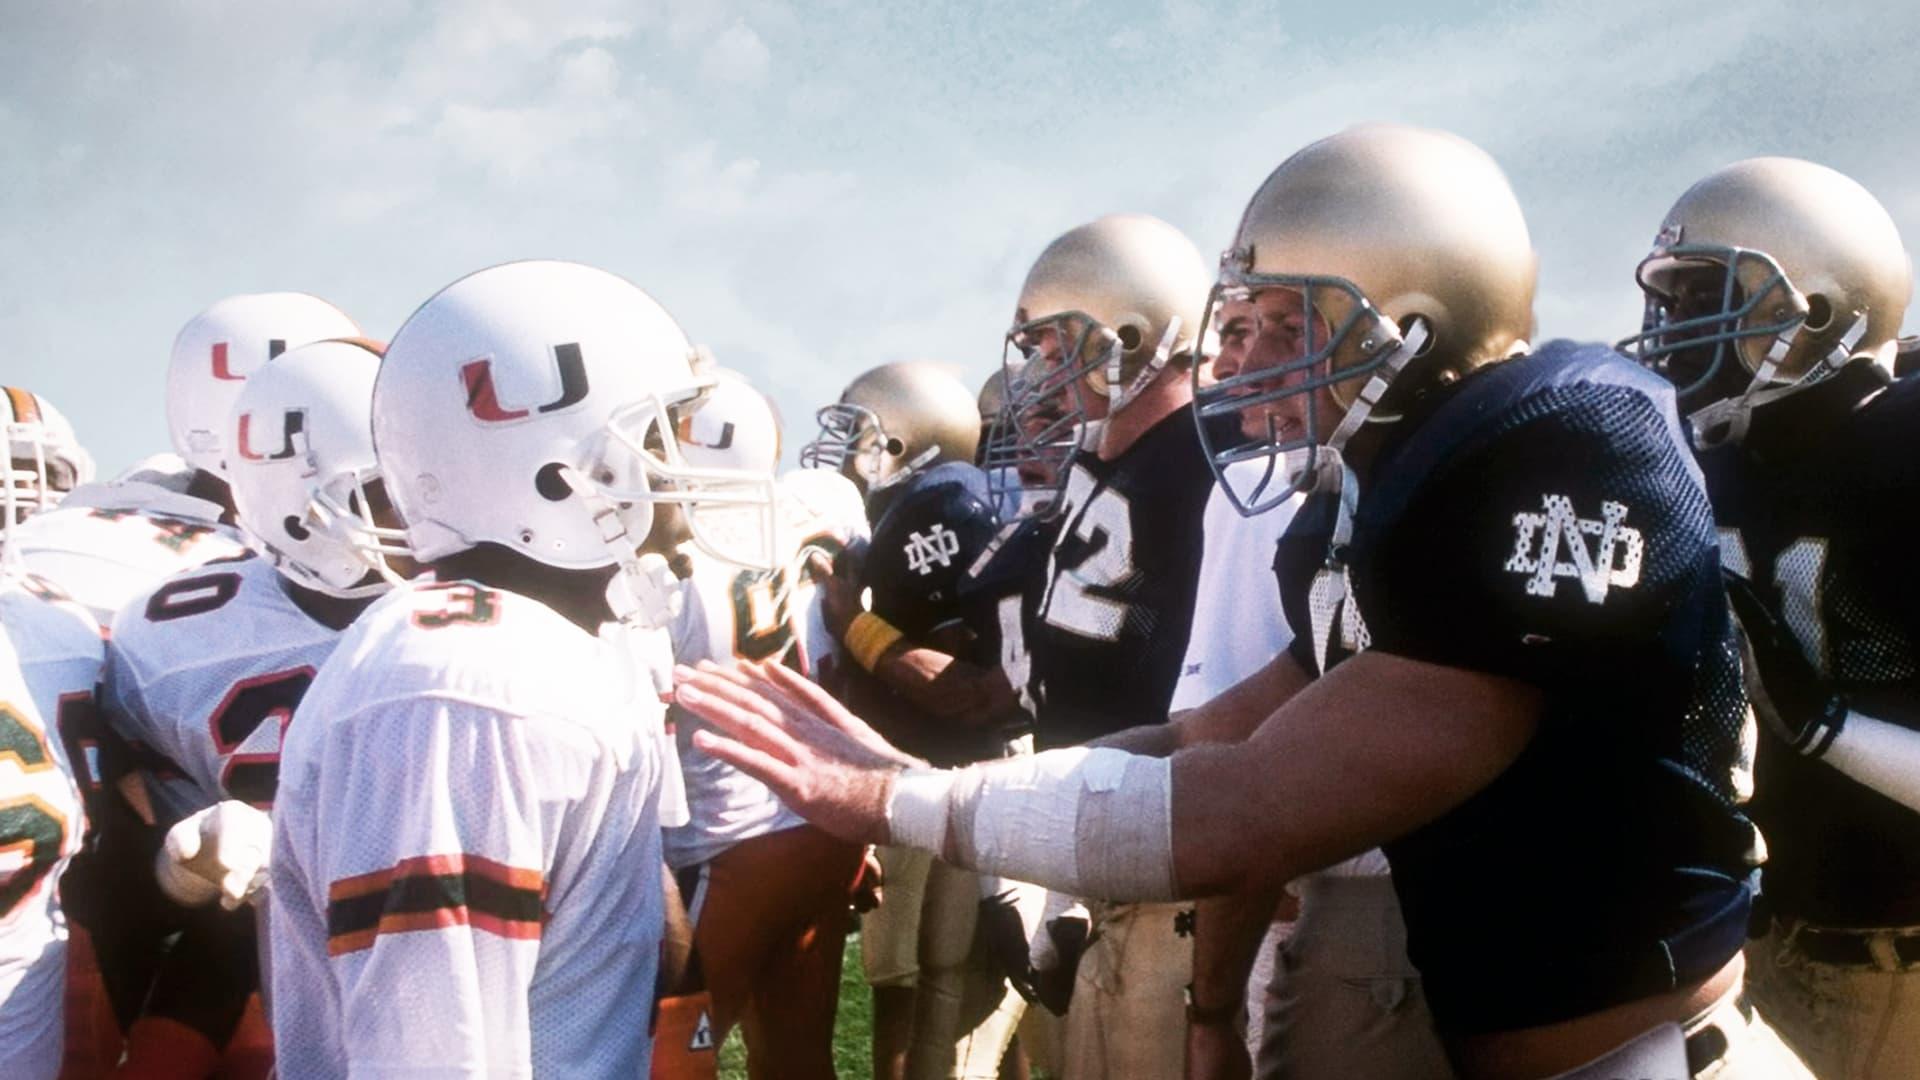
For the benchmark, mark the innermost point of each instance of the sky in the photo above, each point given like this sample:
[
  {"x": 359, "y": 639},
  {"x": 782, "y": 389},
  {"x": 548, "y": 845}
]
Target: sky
[{"x": 816, "y": 187}]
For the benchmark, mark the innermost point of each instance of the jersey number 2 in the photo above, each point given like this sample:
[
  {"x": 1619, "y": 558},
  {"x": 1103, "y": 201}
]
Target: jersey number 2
[{"x": 1106, "y": 525}]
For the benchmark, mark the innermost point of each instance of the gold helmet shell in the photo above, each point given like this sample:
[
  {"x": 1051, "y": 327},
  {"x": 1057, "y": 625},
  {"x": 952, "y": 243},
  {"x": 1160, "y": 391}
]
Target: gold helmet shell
[
  {"x": 895, "y": 420},
  {"x": 1125, "y": 282},
  {"x": 1812, "y": 273},
  {"x": 1421, "y": 224}
]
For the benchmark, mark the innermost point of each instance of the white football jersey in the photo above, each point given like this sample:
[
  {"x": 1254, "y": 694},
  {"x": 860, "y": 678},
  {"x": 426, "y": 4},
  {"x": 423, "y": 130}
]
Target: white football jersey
[
  {"x": 110, "y": 541},
  {"x": 1238, "y": 625},
  {"x": 466, "y": 855},
  {"x": 49, "y": 660},
  {"x": 729, "y": 613},
  {"x": 1238, "y": 629},
  {"x": 203, "y": 675}
]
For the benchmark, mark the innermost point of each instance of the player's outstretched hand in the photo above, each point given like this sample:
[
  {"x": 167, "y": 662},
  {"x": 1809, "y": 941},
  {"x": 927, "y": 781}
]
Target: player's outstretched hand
[{"x": 819, "y": 758}]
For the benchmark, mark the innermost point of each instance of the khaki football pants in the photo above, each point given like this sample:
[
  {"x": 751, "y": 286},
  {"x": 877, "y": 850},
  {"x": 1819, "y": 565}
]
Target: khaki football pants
[
  {"x": 1846, "y": 1022},
  {"x": 964, "y": 1011},
  {"x": 1128, "y": 1017},
  {"x": 890, "y": 933},
  {"x": 1345, "y": 1001}
]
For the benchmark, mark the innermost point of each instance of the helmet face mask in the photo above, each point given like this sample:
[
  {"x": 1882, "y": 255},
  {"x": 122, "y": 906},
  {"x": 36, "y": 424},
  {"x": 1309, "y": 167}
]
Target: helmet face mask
[
  {"x": 536, "y": 406},
  {"x": 1767, "y": 276},
  {"x": 1406, "y": 260},
  {"x": 45, "y": 459},
  {"x": 301, "y": 463},
  {"x": 893, "y": 421}
]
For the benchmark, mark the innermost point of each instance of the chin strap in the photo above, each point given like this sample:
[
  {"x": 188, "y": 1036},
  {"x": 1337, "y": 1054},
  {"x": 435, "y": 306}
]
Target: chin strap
[{"x": 1726, "y": 421}]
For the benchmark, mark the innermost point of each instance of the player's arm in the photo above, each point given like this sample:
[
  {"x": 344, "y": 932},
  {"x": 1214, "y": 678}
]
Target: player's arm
[
  {"x": 1378, "y": 747},
  {"x": 1806, "y": 715},
  {"x": 434, "y": 832},
  {"x": 1231, "y": 717}
]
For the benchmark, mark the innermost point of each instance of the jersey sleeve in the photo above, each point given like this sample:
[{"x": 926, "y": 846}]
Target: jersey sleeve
[
  {"x": 1573, "y": 548},
  {"x": 418, "y": 848}
]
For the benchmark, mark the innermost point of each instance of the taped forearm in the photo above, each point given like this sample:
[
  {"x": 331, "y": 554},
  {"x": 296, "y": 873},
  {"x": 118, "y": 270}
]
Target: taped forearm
[
  {"x": 1881, "y": 756},
  {"x": 1087, "y": 821}
]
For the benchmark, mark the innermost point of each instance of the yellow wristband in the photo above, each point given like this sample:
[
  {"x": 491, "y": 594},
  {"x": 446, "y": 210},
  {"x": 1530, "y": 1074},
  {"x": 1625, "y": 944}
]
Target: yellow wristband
[{"x": 868, "y": 637}]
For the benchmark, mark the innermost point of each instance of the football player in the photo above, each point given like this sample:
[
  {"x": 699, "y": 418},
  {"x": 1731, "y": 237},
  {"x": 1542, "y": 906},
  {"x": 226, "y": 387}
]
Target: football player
[
  {"x": 767, "y": 892},
  {"x": 1775, "y": 290},
  {"x": 467, "y": 850},
  {"x": 1515, "y": 671},
  {"x": 1304, "y": 1018},
  {"x": 204, "y": 673},
  {"x": 45, "y": 458},
  {"x": 890, "y": 423},
  {"x": 907, "y": 433},
  {"x": 1105, "y": 332},
  {"x": 50, "y": 653},
  {"x": 112, "y": 541}
]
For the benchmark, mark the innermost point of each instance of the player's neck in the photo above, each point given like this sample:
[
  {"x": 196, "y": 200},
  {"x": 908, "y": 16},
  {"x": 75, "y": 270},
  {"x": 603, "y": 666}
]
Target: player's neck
[
  {"x": 334, "y": 612},
  {"x": 1168, "y": 393},
  {"x": 206, "y": 485},
  {"x": 579, "y": 596}
]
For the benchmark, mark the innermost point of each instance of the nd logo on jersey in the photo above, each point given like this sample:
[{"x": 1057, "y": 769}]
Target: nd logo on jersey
[
  {"x": 940, "y": 545},
  {"x": 1612, "y": 560}
]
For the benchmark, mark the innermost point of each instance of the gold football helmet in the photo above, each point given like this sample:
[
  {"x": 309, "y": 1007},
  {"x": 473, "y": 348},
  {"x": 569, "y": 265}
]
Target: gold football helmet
[
  {"x": 1787, "y": 268},
  {"x": 1409, "y": 250},
  {"x": 893, "y": 421}
]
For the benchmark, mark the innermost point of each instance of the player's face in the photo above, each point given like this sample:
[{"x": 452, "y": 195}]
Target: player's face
[
  {"x": 1693, "y": 292},
  {"x": 1277, "y": 333}
]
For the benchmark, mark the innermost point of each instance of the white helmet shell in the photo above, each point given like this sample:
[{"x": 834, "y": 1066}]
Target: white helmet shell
[
  {"x": 534, "y": 405},
  {"x": 735, "y": 427},
  {"x": 45, "y": 458},
  {"x": 220, "y": 347},
  {"x": 300, "y": 443}
]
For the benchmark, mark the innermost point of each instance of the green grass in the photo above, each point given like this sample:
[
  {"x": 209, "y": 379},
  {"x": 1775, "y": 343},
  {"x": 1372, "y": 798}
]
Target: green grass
[{"x": 852, "y": 1028}]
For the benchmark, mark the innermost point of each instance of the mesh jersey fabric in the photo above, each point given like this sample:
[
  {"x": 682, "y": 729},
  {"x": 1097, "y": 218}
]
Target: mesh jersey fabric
[
  {"x": 1544, "y": 521},
  {"x": 203, "y": 675},
  {"x": 467, "y": 848},
  {"x": 1112, "y": 625},
  {"x": 1816, "y": 507},
  {"x": 110, "y": 541},
  {"x": 729, "y": 613},
  {"x": 49, "y": 659}
]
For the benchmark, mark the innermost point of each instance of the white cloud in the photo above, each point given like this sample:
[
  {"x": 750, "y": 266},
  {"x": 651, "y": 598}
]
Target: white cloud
[{"x": 737, "y": 57}]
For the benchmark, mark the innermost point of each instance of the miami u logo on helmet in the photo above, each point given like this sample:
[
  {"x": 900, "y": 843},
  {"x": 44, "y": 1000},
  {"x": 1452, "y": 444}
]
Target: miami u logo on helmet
[
  {"x": 223, "y": 369},
  {"x": 483, "y": 400},
  {"x": 293, "y": 422}
]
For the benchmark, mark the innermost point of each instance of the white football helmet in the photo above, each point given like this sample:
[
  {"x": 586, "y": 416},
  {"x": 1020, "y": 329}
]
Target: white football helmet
[
  {"x": 220, "y": 347},
  {"x": 733, "y": 426},
  {"x": 300, "y": 454},
  {"x": 45, "y": 459},
  {"x": 536, "y": 405}
]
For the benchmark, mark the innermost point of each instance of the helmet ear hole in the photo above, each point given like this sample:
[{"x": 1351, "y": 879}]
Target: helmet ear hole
[
  {"x": 551, "y": 482},
  {"x": 1819, "y": 313},
  {"x": 295, "y": 529},
  {"x": 1129, "y": 336},
  {"x": 895, "y": 447}
]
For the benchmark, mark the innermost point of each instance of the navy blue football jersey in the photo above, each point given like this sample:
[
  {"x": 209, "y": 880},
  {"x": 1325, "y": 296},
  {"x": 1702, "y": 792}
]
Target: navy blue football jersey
[
  {"x": 1000, "y": 597},
  {"x": 1112, "y": 627},
  {"x": 1544, "y": 521},
  {"x": 1817, "y": 507},
  {"x": 931, "y": 532}
]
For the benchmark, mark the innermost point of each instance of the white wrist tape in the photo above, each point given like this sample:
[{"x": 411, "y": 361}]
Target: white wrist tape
[
  {"x": 1090, "y": 822},
  {"x": 918, "y": 808}
]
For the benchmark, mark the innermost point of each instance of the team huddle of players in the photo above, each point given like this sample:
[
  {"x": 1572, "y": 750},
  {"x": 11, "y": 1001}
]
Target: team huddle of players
[{"x": 1368, "y": 689}]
